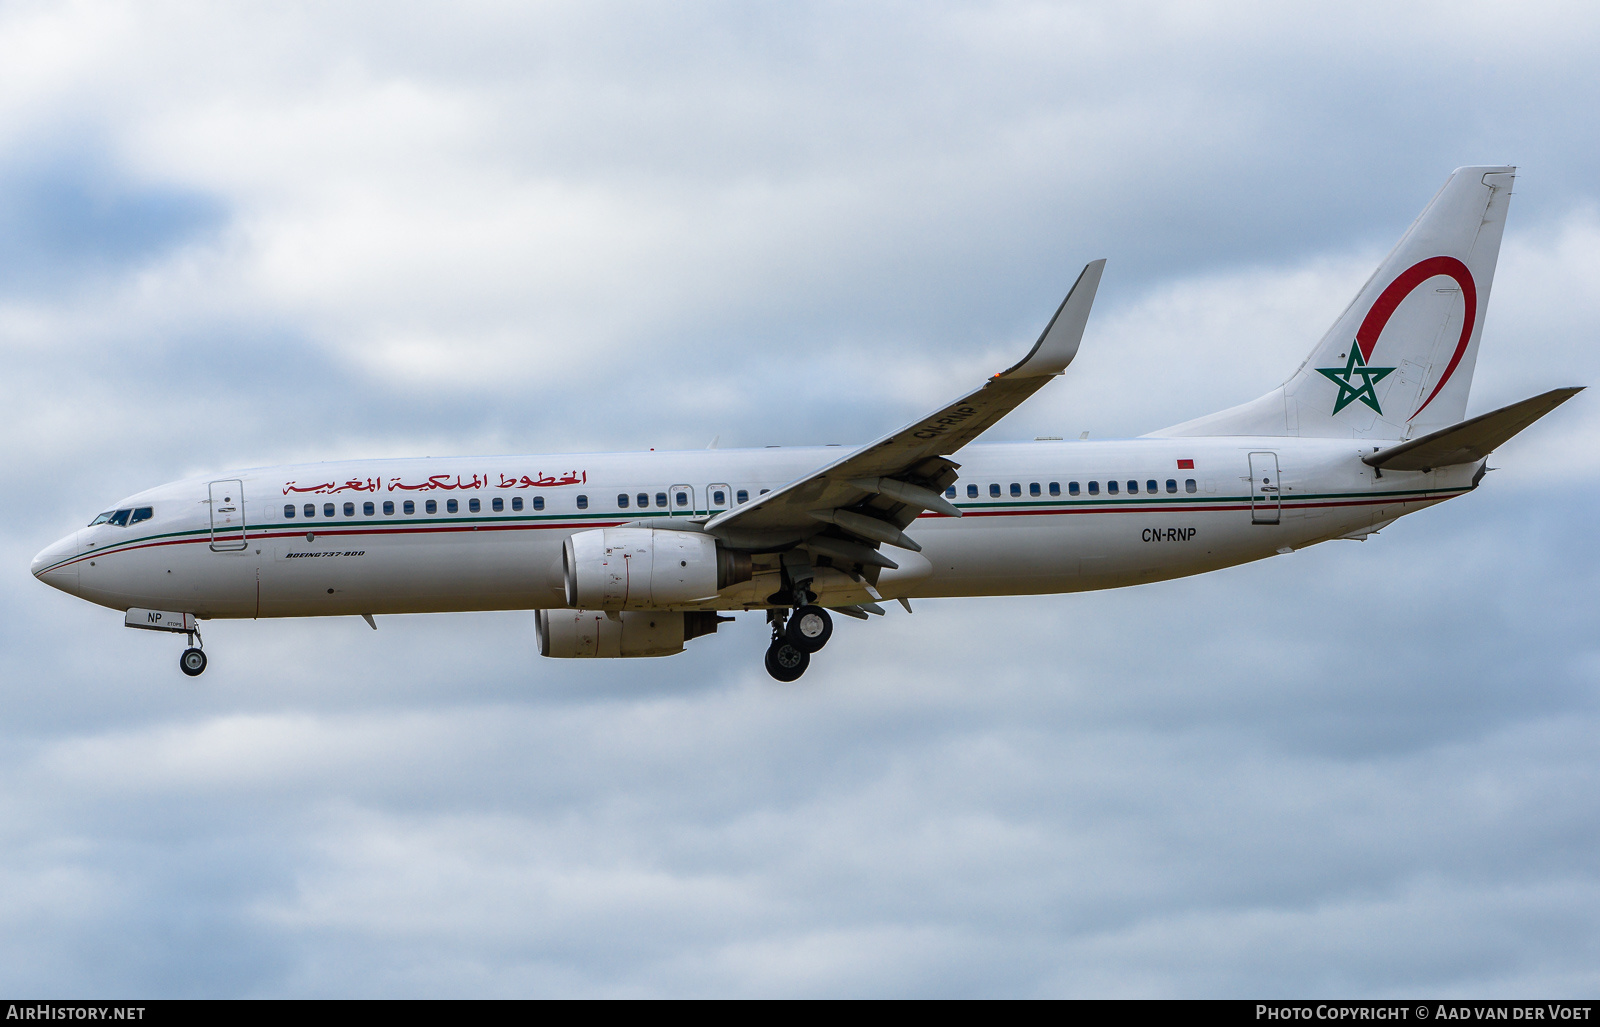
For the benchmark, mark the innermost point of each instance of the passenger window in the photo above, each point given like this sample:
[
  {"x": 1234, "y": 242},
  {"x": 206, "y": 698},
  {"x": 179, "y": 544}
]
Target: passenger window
[
  {"x": 1033, "y": 488},
  {"x": 499, "y": 504},
  {"x": 1189, "y": 485},
  {"x": 1072, "y": 488},
  {"x": 1016, "y": 490},
  {"x": 1094, "y": 488},
  {"x": 538, "y": 502},
  {"x": 1172, "y": 485},
  {"x": 288, "y": 512},
  {"x": 516, "y": 503},
  {"x": 681, "y": 498},
  {"x": 719, "y": 497},
  {"x": 473, "y": 506},
  {"x": 622, "y": 501},
  {"x": 120, "y": 518},
  {"x": 1150, "y": 487},
  {"x": 972, "y": 492},
  {"x": 107, "y": 516},
  {"x": 388, "y": 508},
  {"x": 994, "y": 491},
  {"x": 765, "y": 491},
  {"x": 349, "y": 509},
  {"x": 431, "y": 506},
  {"x": 327, "y": 509},
  {"x": 367, "y": 509},
  {"x": 143, "y": 513},
  {"x": 661, "y": 499},
  {"x": 311, "y": 510},
  {"x": 1111, "y": 487},
  {"x": 1133, "y": 488},
  {"x": 408, "y": 507},
  {"x": 950, "y": 493},
  {"x": 643, "y": 499},
  {"x": 583, "y": 503},
  {"x": 1055, "y": 488},
  {"x": 451, "y": 506},
  {"x": 743, "y": 496}
]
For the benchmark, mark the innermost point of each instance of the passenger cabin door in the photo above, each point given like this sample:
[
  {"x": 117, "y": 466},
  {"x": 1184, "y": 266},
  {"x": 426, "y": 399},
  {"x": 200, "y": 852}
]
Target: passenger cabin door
[
  {"x": 717, "y": 497},
  {"x": 1266, "y": 497},
  {"x": 227, "y": 516}
]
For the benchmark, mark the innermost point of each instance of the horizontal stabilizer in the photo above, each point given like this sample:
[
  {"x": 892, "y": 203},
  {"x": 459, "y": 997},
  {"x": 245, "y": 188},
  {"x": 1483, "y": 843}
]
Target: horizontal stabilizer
[{"x": 1470, "y": 440}]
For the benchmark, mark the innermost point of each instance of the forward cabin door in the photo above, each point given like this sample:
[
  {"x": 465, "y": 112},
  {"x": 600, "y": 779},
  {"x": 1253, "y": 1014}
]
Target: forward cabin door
[
  {"x": 1266, "y": 498},
  {"x": 227, "y": 516}
]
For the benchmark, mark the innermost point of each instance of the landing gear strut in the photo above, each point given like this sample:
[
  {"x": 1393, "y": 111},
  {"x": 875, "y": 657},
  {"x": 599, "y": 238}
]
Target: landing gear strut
[
  {"x": 193, "y": 660},
  {"x": 785, "y": 662}
]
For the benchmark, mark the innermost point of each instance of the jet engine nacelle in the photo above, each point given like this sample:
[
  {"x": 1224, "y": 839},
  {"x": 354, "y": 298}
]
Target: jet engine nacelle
[
  {"x": 568, "y": 634},
  {"x": 641, "y": 569}
]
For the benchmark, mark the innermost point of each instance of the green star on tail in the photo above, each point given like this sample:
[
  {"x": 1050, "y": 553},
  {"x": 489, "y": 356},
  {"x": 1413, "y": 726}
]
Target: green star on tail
[{"x": 1348, "y": 392}]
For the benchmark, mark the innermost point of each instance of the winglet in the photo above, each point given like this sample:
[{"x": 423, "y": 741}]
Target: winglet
[{"x": 1059, "y": 343}]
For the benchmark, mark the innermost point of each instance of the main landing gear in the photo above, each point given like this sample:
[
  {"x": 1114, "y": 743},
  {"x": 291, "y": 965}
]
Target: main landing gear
[{"x": 795, "y": 637}]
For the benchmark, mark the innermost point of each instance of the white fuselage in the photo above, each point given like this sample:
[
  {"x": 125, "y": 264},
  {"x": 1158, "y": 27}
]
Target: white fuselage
[{"x": 227, "y": 546}]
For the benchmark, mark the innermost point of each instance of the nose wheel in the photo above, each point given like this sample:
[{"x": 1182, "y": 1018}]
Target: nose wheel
[{"x": 193, "y": 662}]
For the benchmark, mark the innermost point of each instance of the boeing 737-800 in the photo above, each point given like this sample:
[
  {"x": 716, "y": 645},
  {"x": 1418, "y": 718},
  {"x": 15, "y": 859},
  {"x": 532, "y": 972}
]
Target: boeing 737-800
[{"x": 636, "y": 554}]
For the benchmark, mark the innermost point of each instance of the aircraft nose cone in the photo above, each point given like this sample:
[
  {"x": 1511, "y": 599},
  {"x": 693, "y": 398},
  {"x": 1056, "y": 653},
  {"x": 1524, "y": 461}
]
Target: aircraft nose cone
[{"x": 47, "y": 566}]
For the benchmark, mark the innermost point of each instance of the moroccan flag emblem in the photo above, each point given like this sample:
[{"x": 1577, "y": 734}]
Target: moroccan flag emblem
[{"x": 1345, "y": 377}]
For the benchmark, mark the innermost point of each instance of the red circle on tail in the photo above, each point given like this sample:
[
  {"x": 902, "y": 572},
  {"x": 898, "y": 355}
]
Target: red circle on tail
[{"x": 1399, "y": 289}]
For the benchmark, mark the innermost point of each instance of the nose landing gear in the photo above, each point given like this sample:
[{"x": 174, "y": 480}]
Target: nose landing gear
[{"x": 193, "y": 660}]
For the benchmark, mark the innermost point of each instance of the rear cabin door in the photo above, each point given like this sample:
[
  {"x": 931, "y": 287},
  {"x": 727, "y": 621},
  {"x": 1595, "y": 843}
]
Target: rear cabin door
[
  {"x": 227, "y": 516},
  {"x": 1266, "y": 498}
]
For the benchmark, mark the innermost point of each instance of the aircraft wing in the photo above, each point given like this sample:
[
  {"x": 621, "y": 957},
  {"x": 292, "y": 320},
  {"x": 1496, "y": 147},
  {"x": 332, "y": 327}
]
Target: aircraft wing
[
  {"x": 1472, "y": 439},
  {"x": 873, "y": 492}
]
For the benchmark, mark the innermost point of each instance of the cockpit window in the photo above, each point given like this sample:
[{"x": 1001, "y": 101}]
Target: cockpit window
[
  {"x": 101, "y": 519},
  {"x": 141, "y": 513},
  {"x": 120, "y": 518}
]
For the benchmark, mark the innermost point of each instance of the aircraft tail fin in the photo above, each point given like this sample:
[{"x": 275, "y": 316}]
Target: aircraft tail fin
[{"x": 1398, "y": 362}]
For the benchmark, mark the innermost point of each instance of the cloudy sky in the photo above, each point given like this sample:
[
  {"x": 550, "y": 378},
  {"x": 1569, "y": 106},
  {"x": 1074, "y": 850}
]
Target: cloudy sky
[{"x": 233, "y": 235}]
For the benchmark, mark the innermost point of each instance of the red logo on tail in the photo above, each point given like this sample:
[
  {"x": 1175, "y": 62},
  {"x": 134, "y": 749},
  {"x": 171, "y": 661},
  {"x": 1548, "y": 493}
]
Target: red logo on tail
[{"x": 1399, "y": 289}]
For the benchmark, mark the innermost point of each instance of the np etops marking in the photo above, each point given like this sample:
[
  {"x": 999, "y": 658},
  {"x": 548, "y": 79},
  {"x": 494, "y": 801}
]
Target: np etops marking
[{"x": 635, "y": 554}]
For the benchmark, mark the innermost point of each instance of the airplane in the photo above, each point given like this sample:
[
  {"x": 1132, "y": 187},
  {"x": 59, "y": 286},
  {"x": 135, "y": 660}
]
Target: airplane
[{"x": 636, "y": 554}]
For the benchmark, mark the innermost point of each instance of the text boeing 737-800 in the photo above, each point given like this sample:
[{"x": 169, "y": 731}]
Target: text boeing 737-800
[{"x": 635, "y": 554}]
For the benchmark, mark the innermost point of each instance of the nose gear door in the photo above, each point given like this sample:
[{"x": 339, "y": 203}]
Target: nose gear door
[
  {"x": 227, "y": 516},
  {"x": 1266, "y": 497}
]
